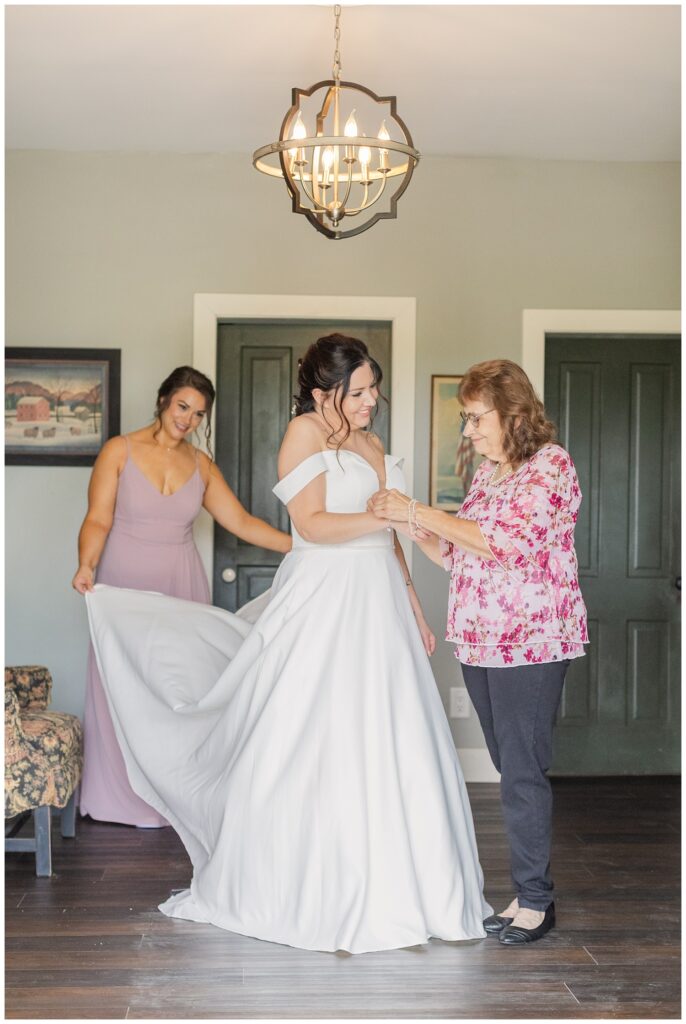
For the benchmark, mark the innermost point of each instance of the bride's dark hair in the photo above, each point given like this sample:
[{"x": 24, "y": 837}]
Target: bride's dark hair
[{"x": 328, "y": 365}]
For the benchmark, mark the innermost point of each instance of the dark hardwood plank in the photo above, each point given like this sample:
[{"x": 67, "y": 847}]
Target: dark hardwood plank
[{"x": 89, "y": 942}]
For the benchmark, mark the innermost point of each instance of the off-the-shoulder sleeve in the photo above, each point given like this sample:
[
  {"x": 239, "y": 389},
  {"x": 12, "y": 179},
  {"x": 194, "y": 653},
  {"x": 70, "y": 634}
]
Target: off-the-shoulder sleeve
[
  {"x": 521, "y": 529},
  {"x": 300, "y": 477},
  {"x": 394, "y": 472}
]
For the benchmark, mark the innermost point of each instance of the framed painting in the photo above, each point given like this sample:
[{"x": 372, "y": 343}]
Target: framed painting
[
  {"x": 61, "y": 404},
  {"x": 452, "y": 458}
]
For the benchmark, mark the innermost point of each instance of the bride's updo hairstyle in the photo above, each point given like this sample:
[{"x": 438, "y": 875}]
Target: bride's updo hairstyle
[
  {"x": 186, "y": 377},
  {"x": 504, "y": 386},
  {"x": 328, "y": 365}
]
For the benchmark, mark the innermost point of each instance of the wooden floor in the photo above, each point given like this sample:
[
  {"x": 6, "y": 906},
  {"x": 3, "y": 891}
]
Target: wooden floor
[{"x": 89, "y": 942}]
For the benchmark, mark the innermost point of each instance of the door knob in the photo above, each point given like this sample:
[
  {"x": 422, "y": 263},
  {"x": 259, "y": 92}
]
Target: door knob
[
  {"x": 677, "y": 583},
  {"x": 229, "y": 575}
]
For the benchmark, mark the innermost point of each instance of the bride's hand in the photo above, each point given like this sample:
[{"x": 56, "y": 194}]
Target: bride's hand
[
  {"x": 428, "y": 638},
  {"x": 389, "y": 505}
]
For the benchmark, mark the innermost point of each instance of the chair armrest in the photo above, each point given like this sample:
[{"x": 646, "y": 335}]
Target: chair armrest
[
  {"x": 32, "y": 685},
  {"x": 13, "y": 728}
]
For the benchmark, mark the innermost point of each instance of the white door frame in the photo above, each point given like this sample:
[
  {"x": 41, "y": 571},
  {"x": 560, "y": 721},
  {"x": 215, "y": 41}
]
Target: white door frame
[
  {"x": 536, "y": 323},
  {"x": 210, "y": 309}
]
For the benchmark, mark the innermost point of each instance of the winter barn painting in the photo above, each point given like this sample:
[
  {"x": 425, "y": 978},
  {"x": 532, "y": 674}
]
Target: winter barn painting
[{"x": 61, "y": 405}]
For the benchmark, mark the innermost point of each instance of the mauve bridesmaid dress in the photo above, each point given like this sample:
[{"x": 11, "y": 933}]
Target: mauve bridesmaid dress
[{"x": 150, "y": 547}]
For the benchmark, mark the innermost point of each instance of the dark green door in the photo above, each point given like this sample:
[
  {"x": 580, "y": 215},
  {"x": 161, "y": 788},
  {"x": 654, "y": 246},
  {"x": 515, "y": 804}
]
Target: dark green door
[
  {"x": 257, "y": 366},
  {"x": 616, "y": 401}
]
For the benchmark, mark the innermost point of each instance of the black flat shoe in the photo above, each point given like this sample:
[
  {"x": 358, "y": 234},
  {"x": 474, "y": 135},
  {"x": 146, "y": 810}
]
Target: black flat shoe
[
  {"x": 495, "y": 924},
  {"x": 514, "y": 935}
]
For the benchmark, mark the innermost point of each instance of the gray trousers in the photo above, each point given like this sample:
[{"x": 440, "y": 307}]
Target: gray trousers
[{"x": 517, "y": 708}]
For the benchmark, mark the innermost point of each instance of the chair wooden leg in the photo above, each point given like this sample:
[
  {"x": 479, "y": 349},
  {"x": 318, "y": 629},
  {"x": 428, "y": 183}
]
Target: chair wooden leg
[
  {"x": 68, "y": 816},
  {"x": 41, "y": 824}
]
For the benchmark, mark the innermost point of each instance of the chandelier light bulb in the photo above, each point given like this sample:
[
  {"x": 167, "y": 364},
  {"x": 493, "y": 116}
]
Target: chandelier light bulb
[
  {"x": 327, "y": 163},
  {"x": 383, "y": 133},
  {"x": 365, "y": 161},
  {"x": 299, "y": 132},
  {"x": 299, "y": 129}
]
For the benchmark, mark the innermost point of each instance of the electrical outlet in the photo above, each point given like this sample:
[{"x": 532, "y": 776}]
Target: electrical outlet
[{"x": 459, "y": 702}]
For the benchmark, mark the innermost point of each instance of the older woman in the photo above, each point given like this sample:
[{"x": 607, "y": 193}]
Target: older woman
[{"x": 516, "y": 614}]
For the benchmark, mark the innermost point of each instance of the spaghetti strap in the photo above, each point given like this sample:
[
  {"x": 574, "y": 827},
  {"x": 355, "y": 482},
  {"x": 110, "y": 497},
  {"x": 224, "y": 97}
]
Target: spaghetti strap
[
  {"x": 204, "y": 483},
  {"x": 128, "y": 449}
]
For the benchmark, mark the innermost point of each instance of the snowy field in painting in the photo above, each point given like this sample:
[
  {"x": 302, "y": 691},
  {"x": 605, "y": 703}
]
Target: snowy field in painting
[{"x": 51, "y": 436}]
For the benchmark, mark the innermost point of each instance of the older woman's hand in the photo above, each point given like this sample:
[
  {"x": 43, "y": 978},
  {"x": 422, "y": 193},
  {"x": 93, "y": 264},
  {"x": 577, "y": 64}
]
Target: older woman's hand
[
  {"x": 393, "y": 507},
  {"x": 404, "y": 530}
]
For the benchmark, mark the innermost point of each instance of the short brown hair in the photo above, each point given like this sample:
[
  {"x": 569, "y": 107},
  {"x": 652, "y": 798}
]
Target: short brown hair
[{"x": 503, "y": 385}]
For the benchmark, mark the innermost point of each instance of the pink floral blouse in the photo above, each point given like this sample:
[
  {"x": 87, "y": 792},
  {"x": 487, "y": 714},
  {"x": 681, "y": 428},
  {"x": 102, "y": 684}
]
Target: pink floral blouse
[{"x": 523, "y": 606}]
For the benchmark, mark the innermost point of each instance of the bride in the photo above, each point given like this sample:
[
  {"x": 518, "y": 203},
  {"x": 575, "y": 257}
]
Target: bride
[{"x": 305, "y": 760}]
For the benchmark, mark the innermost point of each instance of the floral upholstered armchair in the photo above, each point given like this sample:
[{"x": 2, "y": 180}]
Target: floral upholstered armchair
[{"x": 43, "y": 762}]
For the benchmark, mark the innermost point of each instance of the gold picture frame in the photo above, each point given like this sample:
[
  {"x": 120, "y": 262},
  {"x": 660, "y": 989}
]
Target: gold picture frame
[{"x": 453, "y": 460}]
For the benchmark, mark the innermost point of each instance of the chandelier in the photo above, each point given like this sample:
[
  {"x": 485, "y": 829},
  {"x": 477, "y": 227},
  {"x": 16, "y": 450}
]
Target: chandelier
[{"x": 337, "y": 178}]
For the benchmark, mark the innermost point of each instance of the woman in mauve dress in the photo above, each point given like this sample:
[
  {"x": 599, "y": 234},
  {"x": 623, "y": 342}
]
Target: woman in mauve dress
[{"x": 145, "y": 493}]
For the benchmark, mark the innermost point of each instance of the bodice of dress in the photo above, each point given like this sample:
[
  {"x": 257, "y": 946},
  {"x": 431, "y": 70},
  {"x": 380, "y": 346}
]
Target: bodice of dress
[
  {"x": 350, "y": 482},
  {"x": 143, "y": 513}
]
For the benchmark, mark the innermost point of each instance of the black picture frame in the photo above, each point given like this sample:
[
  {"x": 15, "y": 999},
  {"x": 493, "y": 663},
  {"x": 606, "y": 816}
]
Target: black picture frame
[{"x": 61, "y": 404}]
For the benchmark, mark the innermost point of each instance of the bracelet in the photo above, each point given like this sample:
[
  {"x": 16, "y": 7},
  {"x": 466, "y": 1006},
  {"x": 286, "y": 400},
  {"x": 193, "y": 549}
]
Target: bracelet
[{"x": 412, "y": 516}]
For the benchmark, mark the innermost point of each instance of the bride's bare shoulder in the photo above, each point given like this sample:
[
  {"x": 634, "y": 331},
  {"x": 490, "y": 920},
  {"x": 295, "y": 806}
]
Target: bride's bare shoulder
[
  {"x": 303, "y": 429},
  {"x": 304, "y": 437}
]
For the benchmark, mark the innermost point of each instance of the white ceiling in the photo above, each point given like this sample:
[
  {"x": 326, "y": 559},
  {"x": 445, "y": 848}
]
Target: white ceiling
[{"x": 584, "y": 82}]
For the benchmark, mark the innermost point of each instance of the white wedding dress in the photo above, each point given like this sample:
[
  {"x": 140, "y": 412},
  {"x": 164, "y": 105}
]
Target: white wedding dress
[{"x": 305, "y": 759}]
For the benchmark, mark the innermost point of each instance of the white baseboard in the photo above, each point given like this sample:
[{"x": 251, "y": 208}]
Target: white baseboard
[{"x": 477, "y": 765}]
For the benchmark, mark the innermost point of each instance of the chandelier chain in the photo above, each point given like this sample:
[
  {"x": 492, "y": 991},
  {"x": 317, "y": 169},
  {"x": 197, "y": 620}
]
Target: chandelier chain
[{"x": 337, "y": 40}]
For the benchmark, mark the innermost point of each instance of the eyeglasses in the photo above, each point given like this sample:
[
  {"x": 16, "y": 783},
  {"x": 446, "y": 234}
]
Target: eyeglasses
[{"x": 473, "y": 418}]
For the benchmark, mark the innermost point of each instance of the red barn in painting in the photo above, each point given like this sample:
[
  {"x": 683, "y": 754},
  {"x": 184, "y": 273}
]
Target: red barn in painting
[{"x": 30, "y": 409}]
